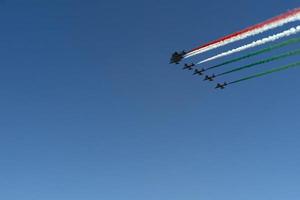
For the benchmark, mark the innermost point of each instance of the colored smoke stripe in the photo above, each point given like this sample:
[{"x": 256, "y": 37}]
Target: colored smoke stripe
[
  {"x": 297, "y": 64},
  {"x": 275, "y": 22},
  {"x": 291, "y": 53},
  {"x": 270, "y": 48},
  {"x": 271, "y": 38}
]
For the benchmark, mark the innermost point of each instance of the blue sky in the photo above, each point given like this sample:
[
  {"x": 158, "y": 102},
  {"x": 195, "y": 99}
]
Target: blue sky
[{"x": 91, "y": 109}]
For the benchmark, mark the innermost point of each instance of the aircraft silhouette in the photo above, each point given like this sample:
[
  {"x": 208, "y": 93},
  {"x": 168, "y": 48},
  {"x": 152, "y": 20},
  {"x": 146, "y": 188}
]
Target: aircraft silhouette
[
  {"x": 177, "y": 57},
  {"x": 221, "y": 86},
  {"x": 199, "y": 72},
  {"x": 188, "y": 66},
  {"x": 209, "y": 78}
]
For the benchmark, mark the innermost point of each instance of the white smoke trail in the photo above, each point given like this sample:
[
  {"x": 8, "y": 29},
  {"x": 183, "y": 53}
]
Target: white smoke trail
[
  {"x": 271, "y": 38},
  {"x": 247, "y": 34}
]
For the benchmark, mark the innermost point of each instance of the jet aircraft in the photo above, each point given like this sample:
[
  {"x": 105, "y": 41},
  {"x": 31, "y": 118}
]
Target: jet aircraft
[
  {"x": 221, "y": 86},
  {"x": 188, "y": 66},
  {"x": 199, "y": 72},
  {"x": 177, "y": 57},
  {"x": 209, "y": 78}
]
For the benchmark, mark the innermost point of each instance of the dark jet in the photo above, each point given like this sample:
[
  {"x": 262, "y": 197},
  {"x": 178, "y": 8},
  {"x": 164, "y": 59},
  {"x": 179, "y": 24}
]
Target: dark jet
[
  {"x": 221, "y": 86},
  {"x": 177, "y": 57},
  {"x": 199, "y": 72},
  {"x": 188, "y": 66},
  {"x": 209, "y": 78}
]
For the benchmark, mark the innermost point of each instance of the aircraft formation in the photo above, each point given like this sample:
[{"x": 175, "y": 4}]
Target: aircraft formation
[{"x": 270, "y": 24}]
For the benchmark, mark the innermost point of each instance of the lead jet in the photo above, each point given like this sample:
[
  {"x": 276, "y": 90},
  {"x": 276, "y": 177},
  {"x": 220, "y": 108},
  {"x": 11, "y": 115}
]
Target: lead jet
[
  {"x": 177, "y": 57},
  {"x": 221, "y": 86},
  {"x": 209, "y": 78},
  {"x": 188, "y": 66},
  {"x": 199, "y": 72}
]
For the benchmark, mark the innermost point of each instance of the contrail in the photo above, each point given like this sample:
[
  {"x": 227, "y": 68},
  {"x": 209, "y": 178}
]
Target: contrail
[
  {"x": 272, "y": 38},
  {"x": 272, "y": 23},
  {"x": 270, "y": 48},
  {"x": 291, "y": 53},
  {"x": 297, "y": 64}
]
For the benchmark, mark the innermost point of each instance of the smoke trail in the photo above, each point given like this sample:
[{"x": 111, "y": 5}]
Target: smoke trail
[
  {"x": 275, "y": 22},
  {"x": 272, "y": 38},
  {"x": 270, "y": 48},
  {"x": 297, "y": 64},
  {"x": 291, "y": 53}
]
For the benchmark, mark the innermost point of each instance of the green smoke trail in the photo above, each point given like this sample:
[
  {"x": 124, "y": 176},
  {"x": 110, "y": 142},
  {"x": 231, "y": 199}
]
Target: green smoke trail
[
  {"x": 297, "y": 64},
  {"x": 270, "y": 48},
  {"x": 291, "y": 53}
]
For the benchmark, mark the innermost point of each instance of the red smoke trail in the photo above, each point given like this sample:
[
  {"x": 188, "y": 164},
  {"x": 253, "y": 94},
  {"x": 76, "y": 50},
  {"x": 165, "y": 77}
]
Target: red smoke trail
[{"x": 249, "y": 29}]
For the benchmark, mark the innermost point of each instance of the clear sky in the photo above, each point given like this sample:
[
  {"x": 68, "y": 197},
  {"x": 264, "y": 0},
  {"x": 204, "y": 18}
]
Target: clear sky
[{"x": 91, "y": 109}]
